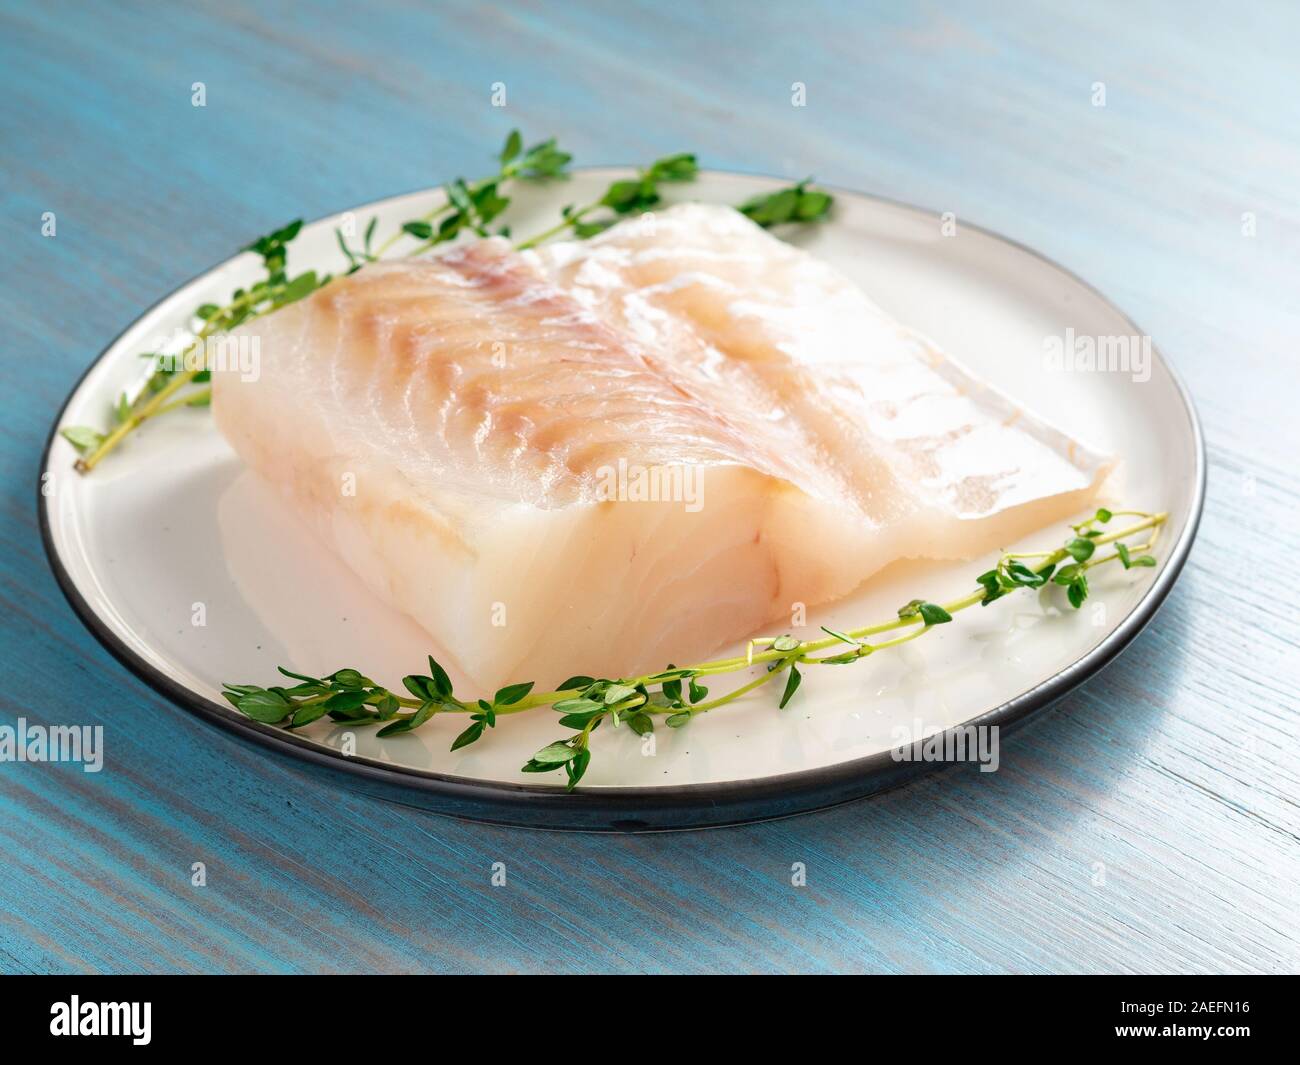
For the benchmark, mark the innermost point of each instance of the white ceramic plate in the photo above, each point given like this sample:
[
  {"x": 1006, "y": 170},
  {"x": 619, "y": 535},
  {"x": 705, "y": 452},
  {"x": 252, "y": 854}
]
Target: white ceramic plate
[{"x": 171, "y": 526}]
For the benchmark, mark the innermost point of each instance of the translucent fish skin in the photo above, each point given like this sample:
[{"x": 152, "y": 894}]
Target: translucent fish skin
[{"x": 469, "y": 431}]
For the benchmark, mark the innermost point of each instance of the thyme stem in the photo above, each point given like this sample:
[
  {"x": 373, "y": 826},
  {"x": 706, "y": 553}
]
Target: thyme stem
[
  {"x": 468, "y": 206},
  {"x": 585, "y": 702}
]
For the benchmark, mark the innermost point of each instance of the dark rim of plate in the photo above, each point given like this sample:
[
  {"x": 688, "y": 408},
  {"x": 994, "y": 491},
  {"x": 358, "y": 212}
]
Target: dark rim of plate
[{"x": 671, "y": 806}]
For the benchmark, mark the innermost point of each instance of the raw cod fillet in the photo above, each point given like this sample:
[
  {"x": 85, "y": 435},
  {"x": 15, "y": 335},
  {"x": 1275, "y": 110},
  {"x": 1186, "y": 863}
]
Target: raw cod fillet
[{"x": 476, "y": 434}]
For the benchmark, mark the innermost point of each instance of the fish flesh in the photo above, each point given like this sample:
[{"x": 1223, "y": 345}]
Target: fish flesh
[{"x": 607, "y": 455}]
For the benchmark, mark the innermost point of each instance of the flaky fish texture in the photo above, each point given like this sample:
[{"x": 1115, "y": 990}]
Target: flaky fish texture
[{"x": 605, "y": 456}]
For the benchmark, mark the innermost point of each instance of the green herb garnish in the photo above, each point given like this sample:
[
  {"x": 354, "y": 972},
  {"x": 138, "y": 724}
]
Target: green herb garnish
[
  {"x": 583, "y": 703},
  {"x": 468, "y": 207},
  {"x": 798, "y": 203}
]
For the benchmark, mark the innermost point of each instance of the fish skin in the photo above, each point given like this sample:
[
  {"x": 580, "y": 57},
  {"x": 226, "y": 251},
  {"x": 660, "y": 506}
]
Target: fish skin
[{"x": 477, "y": 402}]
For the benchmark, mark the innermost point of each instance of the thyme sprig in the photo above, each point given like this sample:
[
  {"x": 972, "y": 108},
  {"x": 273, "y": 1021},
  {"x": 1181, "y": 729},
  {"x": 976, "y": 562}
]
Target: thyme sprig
[
  {"x": 172, "y": 372},
  {"x": 798, "y": 203},
  {"x": 468, "y": 207},
  {"x": 620, "y": 199},
  {"x": 678, "y": 695}
]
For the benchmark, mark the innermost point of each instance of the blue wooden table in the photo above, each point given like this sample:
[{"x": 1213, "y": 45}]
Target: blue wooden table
[{"x": 1152, "y": 821}]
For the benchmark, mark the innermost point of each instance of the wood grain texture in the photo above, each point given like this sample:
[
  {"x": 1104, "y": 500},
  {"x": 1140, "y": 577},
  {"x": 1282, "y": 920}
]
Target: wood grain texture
[{"x": 1178, "y": 769}]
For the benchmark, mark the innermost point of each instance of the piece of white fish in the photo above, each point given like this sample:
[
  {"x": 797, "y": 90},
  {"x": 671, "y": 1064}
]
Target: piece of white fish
[{"x": 604, "y": 456}]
